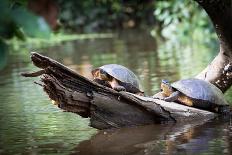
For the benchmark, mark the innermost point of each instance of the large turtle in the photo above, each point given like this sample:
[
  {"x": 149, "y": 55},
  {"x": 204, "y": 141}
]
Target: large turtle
[
  {"x": 117, "y": 77},
  {"x": 195, "y": 92}
]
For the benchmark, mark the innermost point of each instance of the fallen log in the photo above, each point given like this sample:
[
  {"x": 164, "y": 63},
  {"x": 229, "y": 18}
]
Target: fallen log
[{"x": 106, "y": 107}]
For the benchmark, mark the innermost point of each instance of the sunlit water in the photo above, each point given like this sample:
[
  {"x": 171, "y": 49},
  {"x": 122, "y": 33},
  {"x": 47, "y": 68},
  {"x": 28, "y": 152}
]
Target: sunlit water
[{"x": 30, "y": 124}]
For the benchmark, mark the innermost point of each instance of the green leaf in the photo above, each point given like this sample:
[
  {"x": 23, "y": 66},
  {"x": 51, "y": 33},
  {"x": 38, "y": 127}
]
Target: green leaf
[
  {"x": 157, "y": 12},
  {"x": 32, "y": 25},
  {"x": 6, "y": 24},
  {"x": 19, "y": 34}
]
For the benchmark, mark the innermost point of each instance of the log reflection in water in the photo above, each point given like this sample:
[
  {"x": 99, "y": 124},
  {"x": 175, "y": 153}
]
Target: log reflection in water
[{"x": 197, "y": 137}]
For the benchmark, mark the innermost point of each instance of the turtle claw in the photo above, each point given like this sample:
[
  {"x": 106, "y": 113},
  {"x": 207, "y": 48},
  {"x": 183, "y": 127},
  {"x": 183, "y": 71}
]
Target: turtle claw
[{"x": 158, "y": 96}]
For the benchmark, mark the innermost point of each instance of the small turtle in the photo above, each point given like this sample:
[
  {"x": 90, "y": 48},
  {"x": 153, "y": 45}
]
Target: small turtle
[
  {"x": 117, "y": 77},
  {"x": 195, "y": 92}
]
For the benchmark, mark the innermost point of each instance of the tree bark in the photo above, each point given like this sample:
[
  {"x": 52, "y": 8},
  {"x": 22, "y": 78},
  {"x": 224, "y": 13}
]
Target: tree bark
[
  {"x": 219, "y": 71},
  {"x": 106, "y": 107}
]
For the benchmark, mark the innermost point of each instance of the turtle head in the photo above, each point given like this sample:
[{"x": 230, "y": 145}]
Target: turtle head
[
  {"x": 104, "y": 75},
  {"x": 166, "y": 88},
  {"x": 101, "y": 74}
]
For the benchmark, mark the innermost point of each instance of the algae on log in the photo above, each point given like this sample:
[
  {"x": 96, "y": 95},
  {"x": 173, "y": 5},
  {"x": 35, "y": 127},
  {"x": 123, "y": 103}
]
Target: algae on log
[
  {"x": 219, "y": 71},
  {"x": 106, "y": 107}
]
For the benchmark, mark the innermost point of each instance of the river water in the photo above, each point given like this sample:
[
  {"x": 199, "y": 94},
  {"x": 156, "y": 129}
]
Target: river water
[{"x": 30, "y": 124}]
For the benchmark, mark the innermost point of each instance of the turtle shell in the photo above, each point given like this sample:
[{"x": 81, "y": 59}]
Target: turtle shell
[
  {"x": 122, "y": 74},
  {"x": 200, "y": 90}
]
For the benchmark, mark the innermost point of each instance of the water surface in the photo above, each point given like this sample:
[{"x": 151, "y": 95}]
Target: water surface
[{"x": 30, "y": 124}]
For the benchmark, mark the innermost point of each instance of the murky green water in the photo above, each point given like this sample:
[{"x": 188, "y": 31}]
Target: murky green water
[{"x": 30, "y": 124}]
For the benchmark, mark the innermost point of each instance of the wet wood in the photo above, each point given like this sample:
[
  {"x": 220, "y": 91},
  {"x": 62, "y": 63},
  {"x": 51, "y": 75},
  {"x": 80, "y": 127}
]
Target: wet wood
[{"x": 106, "y": 107}]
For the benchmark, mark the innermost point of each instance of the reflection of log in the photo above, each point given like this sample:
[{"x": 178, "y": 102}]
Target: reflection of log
[
  {"x": 106, "y": 107},
  {"x": 194, "y": 138}
]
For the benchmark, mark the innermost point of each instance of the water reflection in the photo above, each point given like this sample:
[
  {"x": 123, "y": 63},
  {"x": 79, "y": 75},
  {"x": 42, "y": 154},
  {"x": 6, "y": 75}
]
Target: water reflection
[
  {"x": 30, "y": 124},
  {"x": 197, "y": 137},
  {"x": 3, "y": 58}
]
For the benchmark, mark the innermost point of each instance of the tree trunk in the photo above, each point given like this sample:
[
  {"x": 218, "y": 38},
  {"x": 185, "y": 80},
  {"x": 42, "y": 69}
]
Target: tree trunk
[
  {"x": 219, "y": 71},
  {"x": 106, "y": 107}
]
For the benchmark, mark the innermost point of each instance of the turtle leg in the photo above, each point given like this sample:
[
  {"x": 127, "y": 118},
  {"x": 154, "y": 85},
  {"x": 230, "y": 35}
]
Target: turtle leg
[
  {"x": 102, "y": 82},
  {"x": 115, "y": 85},
  {"x": 222, "y": 109},
  {"x": 119, "y": 88},
  {"x": 140, "y": 93},
  {"x": 158, "y": 96},
  {"x": 173, "y": 97}
]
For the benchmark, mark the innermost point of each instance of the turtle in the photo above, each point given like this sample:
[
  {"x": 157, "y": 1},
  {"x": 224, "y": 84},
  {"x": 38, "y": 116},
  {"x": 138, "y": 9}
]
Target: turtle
[
  {"x": 118, "y": 78},
  {"x": 195, "y": 93}
]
